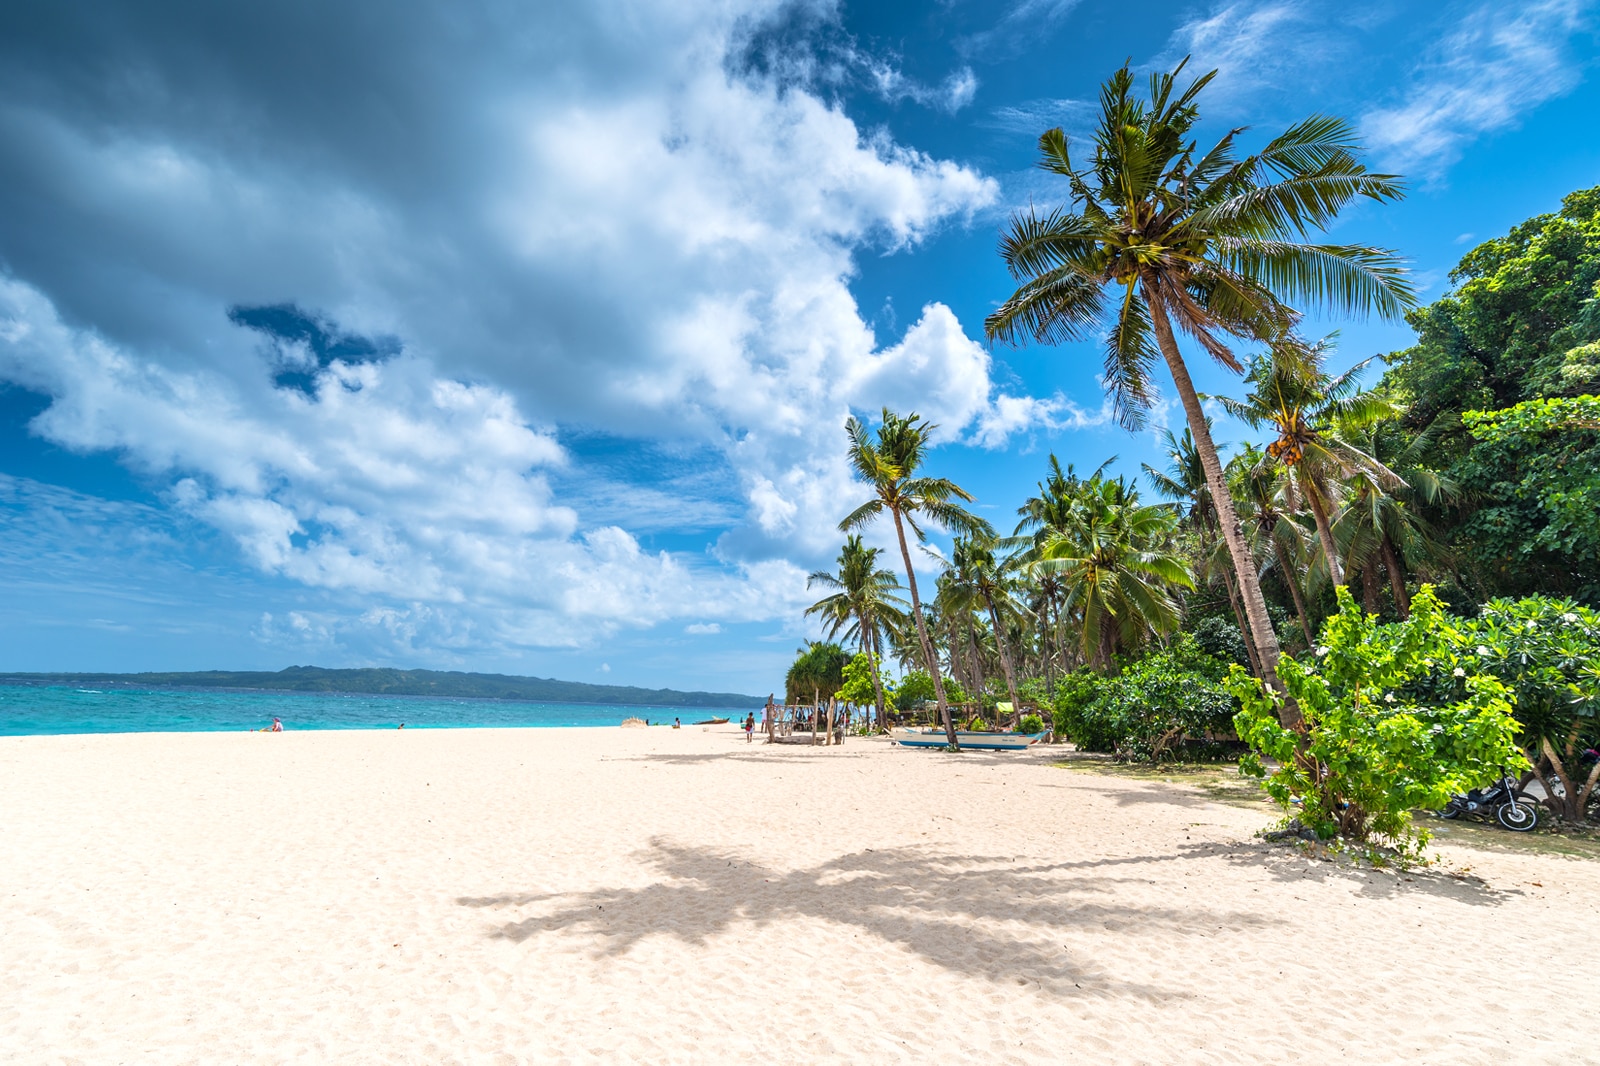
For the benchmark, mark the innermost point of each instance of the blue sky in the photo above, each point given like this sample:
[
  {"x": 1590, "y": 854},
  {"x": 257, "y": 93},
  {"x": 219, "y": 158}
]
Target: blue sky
[{"x": 431, "y": 335}]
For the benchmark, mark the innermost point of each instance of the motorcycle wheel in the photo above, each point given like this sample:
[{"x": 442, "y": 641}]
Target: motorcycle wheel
[
  {"x": 1449, "y": 812},
  {"x": 1517, "y": 817}
]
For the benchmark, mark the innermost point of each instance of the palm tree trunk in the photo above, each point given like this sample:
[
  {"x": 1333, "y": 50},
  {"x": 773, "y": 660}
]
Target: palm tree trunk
[
  {"x": 1369, "y": 588},
  {"x": 922, "y": 634},
  {"x": 1005, "y": 656},
  {"x": 1255, "y": 604},
  {"x": 1044, "y": 643},
  {"x": 1319, "y": 511},
  {"x": 1291, "y": 578},
  {"x": 958, "y": 657},
  {"x": 1397, "y": 577},
  {"x": 1244, "y": 626},
  {"x": 869, "y": 644},
  {"x": 977, "y": 658}
]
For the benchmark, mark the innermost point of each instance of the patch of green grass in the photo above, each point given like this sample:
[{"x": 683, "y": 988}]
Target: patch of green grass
[
  {"x": 1548, "y": 839},
  {"x": 1218, "y": 780}
]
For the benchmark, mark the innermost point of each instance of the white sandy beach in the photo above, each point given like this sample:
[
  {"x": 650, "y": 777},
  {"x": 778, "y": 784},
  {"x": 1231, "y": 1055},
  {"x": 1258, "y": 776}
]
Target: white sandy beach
[{"x": 676, "y": 896}]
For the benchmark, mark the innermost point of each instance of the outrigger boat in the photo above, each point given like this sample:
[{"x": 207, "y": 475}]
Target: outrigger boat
[{"x": 967, "y": 738}]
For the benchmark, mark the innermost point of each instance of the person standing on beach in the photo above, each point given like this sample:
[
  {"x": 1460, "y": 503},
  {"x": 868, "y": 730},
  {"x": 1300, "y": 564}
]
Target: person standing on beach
[{"x": 749, "y": 727}]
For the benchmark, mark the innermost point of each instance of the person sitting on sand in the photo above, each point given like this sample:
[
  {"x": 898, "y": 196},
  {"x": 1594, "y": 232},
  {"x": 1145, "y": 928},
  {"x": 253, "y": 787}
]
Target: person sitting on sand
[
  {"x": 676, "y": 724},
  {"x": 749, "y": 726},
  {"x": 277, "y": 725}
]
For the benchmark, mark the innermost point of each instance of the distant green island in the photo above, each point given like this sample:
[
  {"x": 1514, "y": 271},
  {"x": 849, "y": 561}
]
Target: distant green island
[{"x": 386, "y": 682}]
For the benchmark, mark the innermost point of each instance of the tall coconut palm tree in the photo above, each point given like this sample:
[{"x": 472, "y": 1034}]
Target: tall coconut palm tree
[
  {"x": 1208, "y": 245},
  {"x": 1292, "y": 393},
  {"x": 864, "y": 603},
  {"x": 889, "y": 463}
]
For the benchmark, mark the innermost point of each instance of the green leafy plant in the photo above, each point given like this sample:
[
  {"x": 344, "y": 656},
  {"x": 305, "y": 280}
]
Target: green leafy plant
[
  {"x": 1167, "y": 705},
  {"x": 859, "y": 687},
  {"x": 1395, "y": 718},
  {"x": 1074, "y": 693},
  {"x": 1032, "y": 723},
  {"x": 1547, "y": 651},
  {"x": 917, "y": 687}
]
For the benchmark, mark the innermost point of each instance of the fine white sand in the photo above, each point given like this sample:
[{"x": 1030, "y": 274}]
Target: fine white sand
[{"x": 676, "y": 896}]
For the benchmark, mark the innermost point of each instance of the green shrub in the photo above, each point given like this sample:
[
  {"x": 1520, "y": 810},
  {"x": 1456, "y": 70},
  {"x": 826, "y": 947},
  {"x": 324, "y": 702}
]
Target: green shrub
[
  {"x": 1221, "y": 639},
  {"x": 1074, "y": 693},
  {"x": 1170, "y": 704},
  {"x": 1033, "y": 692},
  {"x": 1547, "y": 651},
  {"x": 1032, "y": 723},
  {"x": 917, "y": 687},
  {"x": 1373, "y": 749}
]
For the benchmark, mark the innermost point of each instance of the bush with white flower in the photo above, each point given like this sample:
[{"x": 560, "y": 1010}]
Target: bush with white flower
[
  {"x": 1397, "y": 717},
  {"x": 1548, "y": 652}
]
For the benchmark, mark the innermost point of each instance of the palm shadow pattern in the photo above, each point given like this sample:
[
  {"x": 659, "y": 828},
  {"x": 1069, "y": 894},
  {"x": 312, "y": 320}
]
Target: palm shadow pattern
[{"x": 984, "y": 916}]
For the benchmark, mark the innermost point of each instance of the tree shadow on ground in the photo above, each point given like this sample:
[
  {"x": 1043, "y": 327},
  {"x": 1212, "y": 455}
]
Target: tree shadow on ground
[
  {"x": 1287, "y": 863},
  {"x": 984, "y": 916}
]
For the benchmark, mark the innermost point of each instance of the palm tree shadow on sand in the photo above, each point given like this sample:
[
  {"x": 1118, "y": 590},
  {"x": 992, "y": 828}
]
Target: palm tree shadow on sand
[{"x": 984, "y": 916}]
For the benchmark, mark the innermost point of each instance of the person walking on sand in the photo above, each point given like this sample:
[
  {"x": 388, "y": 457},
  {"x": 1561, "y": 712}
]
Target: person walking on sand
[{"x": 749, "y": 727}]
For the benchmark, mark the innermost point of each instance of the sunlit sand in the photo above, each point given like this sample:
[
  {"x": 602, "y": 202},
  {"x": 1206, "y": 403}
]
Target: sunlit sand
[{"x": 659, "y": 895}]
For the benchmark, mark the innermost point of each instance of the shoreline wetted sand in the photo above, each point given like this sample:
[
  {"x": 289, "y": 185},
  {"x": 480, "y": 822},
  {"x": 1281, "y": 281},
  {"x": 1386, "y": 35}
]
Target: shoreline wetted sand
[{"x": 600, "y": 895}]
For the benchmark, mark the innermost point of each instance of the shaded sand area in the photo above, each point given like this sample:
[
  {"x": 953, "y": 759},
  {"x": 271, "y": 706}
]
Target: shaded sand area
[{"x": 660, "y": 896}]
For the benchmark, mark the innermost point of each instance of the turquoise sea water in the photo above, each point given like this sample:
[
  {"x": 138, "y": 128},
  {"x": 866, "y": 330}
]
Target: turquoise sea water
[{"x": 27, "y": 710}]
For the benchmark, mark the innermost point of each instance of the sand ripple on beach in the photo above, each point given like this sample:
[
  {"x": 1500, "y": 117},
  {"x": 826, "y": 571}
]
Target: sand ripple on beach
[{"x": 677, "y": 896}]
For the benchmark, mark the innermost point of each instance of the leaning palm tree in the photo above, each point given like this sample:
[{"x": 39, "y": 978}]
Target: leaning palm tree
[
  {"x": 1206, "y": 245},
  {"x": 1293, "y": 395},
  {"x": 888, "y": 462},
  {"x": 864, "y": 603}
]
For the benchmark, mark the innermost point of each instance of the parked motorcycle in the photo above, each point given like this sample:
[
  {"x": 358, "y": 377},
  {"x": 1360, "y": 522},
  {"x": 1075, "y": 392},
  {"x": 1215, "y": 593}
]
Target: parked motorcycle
[{"x": 1503, "y": 799}]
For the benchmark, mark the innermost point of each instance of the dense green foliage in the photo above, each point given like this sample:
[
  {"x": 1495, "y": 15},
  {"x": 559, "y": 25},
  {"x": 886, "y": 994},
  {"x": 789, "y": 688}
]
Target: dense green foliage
[
  {"x": 858, "y": 687},
  {"x": 1381, "y": 738},
  {"x": 1547, "y": 652},
  {"x": 817, "y": 673},
  {"x": 1295, "y": 559},
  {"x": 1169, "y": 704},
  {"x": 1521, "y": 327},
  {"x": 916, "y": 688}
]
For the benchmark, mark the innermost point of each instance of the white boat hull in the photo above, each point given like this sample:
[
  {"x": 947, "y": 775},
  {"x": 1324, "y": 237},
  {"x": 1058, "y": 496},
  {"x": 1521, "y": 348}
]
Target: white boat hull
[{"x": 937, "y": 738}]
